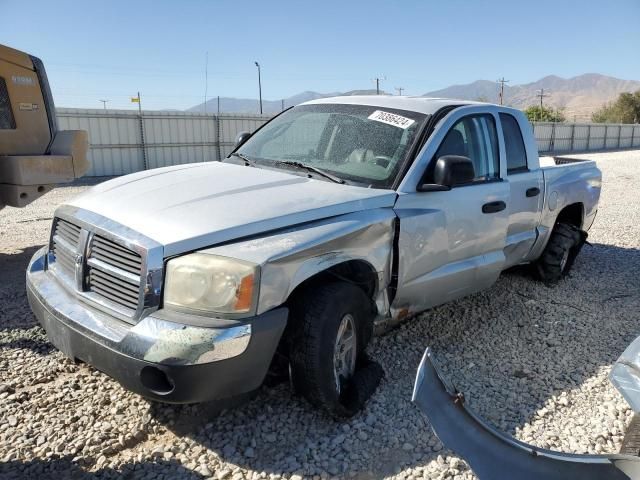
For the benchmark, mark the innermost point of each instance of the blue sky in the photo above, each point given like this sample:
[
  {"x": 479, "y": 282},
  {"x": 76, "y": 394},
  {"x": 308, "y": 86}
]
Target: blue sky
[{"x": 111, "y": 49}]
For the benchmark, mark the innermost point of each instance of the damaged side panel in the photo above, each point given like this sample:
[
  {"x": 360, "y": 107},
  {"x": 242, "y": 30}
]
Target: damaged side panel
[
  {"x": 289, "y": 257},
  {"x": 495, "y": 456}
]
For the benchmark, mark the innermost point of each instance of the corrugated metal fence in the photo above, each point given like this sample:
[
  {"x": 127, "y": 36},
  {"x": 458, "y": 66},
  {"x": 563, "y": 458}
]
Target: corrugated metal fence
[
  {"x": 585, "y": 137},
  {"x": 122, "y": 141},
  {"x": 170, "y": 138}
]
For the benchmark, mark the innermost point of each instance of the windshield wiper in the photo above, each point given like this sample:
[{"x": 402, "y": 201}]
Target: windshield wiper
[
  {"x": 247, "y": 161},
  {"x": 309, "y": 168}
]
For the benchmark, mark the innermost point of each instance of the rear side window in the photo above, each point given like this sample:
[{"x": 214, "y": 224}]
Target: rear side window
[
  {"x": 514, "y": 145},
  {"x": 474, "y": 137},
  {"x": 6, "y": 114}
]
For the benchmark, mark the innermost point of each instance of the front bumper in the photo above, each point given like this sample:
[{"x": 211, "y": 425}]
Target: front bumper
[
  {"x": 158, "y": 358},
  {"x": 498, "y": 456},
  {"x": 625, "y": 375}
]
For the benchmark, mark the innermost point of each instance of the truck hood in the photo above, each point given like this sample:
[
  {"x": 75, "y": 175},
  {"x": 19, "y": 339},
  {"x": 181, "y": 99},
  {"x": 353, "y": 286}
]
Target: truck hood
[{"x": 192, "y": 206}]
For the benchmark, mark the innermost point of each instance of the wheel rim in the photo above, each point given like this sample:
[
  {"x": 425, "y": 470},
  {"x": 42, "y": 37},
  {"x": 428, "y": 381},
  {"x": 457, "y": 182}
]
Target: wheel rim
[
  {"x": 344, "y": 353},
  {"x": 565, "y": 259}
]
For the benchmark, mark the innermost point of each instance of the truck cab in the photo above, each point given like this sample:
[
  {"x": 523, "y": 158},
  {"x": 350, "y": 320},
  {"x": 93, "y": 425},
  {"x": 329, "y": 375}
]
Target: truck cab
[{"x": 500, "y": 218}]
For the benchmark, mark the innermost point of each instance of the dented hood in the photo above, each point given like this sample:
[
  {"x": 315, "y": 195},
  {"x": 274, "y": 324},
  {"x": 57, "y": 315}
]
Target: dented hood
[{"x": 192, "y": 206}]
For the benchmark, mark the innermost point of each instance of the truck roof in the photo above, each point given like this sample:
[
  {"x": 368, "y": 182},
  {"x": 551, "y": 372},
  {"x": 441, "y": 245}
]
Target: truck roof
[{"x": 416, "y": 104}]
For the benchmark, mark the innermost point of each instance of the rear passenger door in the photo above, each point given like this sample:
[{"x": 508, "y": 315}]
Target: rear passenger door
[{"x": 526, "y": 193}]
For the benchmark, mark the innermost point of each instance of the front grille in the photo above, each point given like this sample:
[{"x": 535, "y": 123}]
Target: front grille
[
  {"x": 65, "y": 245},
  {"x": 121, "y": 275},
  {"x": 7, "y": 122},
  {"x": 114, "y": 272}
]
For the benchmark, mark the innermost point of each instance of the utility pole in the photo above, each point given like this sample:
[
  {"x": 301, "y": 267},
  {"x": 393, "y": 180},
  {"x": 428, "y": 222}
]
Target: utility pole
[
  {"x": 138, "y": 100},
  {"x": 218, "y": 104},
  {"x": 259, "y": 86},
  {"x": 206, "y": 80},
  {"x": 282, "y": 104},
  {"x": 104, "y": 103},
  {"x": 399, "y": 90},
  {"x": 502, "y": 81},
  {"x": 541, "y": 94},
  {"x": 378, "y": 80}
]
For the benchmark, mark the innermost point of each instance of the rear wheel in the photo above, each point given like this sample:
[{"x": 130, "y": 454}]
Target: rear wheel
[
  {"x": 560, "y": 253},
  {"x": 331, "y": 326}
]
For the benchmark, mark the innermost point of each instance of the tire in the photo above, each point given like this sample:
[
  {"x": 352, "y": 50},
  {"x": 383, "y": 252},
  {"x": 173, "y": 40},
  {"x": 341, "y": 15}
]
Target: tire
[
  {"x": 561, "y": 251},
  {"x": 316, "y": 317},
  {"x": 631, "y": 441}
]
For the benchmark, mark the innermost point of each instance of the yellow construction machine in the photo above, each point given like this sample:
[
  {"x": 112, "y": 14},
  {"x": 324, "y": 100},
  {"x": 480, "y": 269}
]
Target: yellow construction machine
[{"x": 34, "y": 155}]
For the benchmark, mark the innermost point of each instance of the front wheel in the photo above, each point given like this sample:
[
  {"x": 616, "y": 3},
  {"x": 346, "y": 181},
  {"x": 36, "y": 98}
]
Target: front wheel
[{"x": 331, "y": 326}]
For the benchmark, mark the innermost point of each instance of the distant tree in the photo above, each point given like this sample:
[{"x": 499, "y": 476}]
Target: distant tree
[
  {"x": 482, "y": 98},
  {"x": 535, "y": 113},
  {"x": 626, "y": 109}
]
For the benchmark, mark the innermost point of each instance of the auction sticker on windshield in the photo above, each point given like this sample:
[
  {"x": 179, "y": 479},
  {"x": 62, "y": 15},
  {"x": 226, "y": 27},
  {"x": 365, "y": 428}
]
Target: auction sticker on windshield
[{"x": 391, "y": 119}]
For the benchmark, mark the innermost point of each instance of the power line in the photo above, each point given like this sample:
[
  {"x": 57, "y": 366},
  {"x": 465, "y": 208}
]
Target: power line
[{"x": 502, "y": 81}]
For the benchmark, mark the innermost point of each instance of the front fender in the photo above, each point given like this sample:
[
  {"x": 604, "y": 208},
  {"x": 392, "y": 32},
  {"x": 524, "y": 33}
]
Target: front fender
[{"x": 289, "y": 257}]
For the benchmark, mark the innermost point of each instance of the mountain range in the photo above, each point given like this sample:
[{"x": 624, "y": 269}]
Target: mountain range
[
  {"x": 251, "y": 105},
  {"x": 577, "y": 96}
]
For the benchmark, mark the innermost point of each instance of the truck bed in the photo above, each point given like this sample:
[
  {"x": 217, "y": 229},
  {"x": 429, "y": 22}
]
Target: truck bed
[{"x": 550, "y": 161}]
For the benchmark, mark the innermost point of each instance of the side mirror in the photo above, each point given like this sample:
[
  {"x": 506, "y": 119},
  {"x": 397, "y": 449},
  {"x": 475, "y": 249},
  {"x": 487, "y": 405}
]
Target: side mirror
[
  {"x": 449, "y": 171},
  {"x": 241, "y": 138}
]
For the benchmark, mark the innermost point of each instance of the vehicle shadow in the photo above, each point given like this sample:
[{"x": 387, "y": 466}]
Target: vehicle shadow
[
  {"x": 15, "y": 312},
  {"x": 545, "y": 333},
  {"x": 65, "y": 468}
]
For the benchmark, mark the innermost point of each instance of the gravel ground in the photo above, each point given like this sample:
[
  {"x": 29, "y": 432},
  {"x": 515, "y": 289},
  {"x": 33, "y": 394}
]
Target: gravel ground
[{"x": 533, "y": 360}]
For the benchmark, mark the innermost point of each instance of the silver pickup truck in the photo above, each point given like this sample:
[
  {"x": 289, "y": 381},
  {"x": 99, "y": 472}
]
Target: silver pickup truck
[{"x": 336, "y": 220}]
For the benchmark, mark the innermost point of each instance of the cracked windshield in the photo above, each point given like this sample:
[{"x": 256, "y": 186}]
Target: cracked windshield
[{"x": 356, "y": 143}]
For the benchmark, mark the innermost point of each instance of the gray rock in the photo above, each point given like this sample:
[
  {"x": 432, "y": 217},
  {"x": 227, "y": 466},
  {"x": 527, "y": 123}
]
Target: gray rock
[{"x": 530, "y": 359}]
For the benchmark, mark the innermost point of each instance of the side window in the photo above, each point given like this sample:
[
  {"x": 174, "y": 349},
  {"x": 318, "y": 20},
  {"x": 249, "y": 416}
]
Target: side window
[
  {"x": 474, "y": 137},
  {"x": 514, "y": 144},
  {"x": 7, "y": 121}
]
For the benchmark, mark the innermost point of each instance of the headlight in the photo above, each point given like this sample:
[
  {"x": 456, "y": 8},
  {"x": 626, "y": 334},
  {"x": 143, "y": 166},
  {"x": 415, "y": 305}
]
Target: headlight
[{"x": 210, "y": 284}]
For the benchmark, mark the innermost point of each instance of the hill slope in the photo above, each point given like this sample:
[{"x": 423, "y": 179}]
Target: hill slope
[
  {"x": 251, "y": 105},
  {"x": 578, "y": 96}
]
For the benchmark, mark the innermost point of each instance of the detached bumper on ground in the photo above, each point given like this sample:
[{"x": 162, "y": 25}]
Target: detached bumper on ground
[
  {"x": 157, "y": 358},
  {"x": 495, "y": 455}
]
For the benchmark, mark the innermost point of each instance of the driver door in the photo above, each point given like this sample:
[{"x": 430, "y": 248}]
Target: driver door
[{"x": 451, "y": 242}]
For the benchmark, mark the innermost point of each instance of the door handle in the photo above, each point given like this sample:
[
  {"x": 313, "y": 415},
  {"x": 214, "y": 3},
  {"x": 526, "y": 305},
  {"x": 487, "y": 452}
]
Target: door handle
[
  {"x": 533, "y": 192},
  {"x": 494, "y": 207}
]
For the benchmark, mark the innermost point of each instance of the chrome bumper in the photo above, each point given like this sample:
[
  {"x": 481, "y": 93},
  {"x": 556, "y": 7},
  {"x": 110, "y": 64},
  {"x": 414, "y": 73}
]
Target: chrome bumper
[{"x": 152, "y": 339}]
